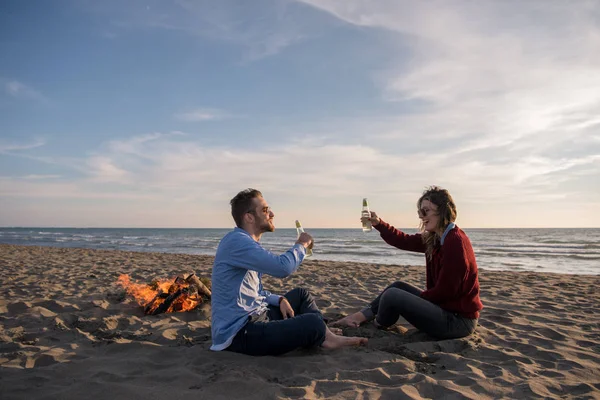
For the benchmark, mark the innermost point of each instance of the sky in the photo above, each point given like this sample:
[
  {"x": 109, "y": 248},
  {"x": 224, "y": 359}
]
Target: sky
[{"x": 156, "y": 113}]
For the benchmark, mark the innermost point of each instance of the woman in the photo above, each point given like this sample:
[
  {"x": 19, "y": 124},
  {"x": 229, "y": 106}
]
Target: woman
[{"x": 450, "y": 306}]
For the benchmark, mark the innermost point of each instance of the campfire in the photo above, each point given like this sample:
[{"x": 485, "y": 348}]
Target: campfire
[{"x": 168, "y": 295}]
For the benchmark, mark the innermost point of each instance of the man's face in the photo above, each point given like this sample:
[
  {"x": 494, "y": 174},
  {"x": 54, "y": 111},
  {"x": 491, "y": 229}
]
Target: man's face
[{"x": 263, "y": 216}]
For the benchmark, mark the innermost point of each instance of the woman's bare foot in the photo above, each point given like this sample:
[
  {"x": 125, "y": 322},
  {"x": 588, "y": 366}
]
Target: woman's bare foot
[
  {"x": 352, "y": 320},
  {"x": 336, "y": 331},
  {"x": 333, "y": 341}
]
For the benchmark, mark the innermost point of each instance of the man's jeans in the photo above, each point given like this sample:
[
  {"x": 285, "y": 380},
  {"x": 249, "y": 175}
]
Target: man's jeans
[
  {"x": 270, "y": 334},
  {"x": 402, "y": 299}
]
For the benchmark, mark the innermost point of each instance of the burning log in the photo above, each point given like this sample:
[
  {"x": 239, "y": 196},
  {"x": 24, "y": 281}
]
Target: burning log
[
  {"x": 182, "y": 294},
  {"x": 197, "y": 283}
]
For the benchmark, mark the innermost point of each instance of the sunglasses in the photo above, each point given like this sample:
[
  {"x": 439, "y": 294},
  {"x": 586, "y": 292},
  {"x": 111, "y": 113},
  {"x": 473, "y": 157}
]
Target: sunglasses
[
  {"x": 265, "y": 210},
  {"x": 423, "y": 212}
]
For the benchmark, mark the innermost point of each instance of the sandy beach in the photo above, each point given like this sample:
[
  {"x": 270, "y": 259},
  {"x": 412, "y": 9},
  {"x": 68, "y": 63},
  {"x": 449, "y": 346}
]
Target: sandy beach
[{"x": 68, "y": 331}]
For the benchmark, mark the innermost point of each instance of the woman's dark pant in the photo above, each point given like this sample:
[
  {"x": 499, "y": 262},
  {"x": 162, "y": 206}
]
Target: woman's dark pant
[
  {"x": 272, "y": 335},
  {"x": 402, "y": 299}
]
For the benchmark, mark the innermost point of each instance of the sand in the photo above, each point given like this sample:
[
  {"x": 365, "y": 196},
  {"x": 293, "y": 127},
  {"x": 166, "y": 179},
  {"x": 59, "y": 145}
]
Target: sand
[{"x": 67, "y": 331}]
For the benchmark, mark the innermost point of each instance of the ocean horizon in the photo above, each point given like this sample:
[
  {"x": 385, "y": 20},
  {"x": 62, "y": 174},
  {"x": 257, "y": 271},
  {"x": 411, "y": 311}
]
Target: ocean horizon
[{"x": 558, "y": 250}]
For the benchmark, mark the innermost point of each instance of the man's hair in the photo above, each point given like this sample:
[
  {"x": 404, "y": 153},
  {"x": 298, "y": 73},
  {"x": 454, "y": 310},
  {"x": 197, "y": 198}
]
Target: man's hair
[{"x": 242, "y": 203}]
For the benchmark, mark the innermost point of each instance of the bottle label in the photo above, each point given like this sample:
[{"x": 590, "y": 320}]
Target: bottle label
[{"x": 366, "y": 226}]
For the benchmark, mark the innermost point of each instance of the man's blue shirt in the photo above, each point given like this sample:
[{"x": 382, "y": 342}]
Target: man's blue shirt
[{"x": 237, "y": 290}]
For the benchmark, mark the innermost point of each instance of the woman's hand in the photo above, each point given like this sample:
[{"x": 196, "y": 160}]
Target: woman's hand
[{"x": 374, "y": 219}]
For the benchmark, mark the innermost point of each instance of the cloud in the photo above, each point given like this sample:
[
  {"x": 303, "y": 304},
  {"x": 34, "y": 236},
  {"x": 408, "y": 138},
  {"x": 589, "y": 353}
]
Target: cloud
[
  {"x": 165, "y": 176},
  {"x": 488, "y": 67},
  {"x": 261, "y": 28},
  {"x": 203, "y": 114},
  {"x": 497, "y": 102},
  {"x": 19, "y": 90},
  {"x": 33, "y": 190},
  {"x": 104, "y": 169},
  {"x": 494, "y": 84},
  {"x": 16, "y": 147},
  {"x": 40, "y": 177},
  {"x": 165, "y": 165},
  {"x": 170, "y": 164},
  {"x": 134, "y": 145}
]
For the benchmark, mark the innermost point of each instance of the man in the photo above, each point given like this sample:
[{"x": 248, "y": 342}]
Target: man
[{"x": 245, "y": 317}]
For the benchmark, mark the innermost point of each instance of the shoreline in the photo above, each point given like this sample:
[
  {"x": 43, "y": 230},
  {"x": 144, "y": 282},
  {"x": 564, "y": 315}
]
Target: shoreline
[
  {"x": 334, "y": 262},
  {"x": 64, "y": 321}
]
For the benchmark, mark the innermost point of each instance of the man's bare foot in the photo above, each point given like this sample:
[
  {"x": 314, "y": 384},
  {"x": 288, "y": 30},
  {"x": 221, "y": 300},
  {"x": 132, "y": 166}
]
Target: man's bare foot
[
  {"x": 333, "y": 341},
  {"x": 352, "y": 320}
]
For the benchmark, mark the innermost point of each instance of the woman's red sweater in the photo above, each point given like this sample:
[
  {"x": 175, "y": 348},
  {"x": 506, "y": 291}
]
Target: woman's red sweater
[{"x": 452, "y": 279}]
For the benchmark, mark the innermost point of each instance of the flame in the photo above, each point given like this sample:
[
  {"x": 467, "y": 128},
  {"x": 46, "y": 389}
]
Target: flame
[{"x": 152, "y": 296}]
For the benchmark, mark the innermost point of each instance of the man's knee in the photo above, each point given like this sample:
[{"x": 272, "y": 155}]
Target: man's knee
[
  {"x": 300, "y": 293},
  {"x": 314, "y": 329},
  {"x": 313, "y": 320}
]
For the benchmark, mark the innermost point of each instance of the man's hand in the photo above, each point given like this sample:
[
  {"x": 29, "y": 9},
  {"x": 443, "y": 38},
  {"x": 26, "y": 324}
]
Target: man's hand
[
  {"x": 375, "y": 220},
  {"x": 305, "y": 240},
  {"x": 286, "y": 309}
]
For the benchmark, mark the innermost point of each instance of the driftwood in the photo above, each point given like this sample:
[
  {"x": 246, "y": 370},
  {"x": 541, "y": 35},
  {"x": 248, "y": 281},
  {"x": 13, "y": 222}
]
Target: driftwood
[
  {"x": 190, "y": 287},
  {"x": 201, "y": 287}
]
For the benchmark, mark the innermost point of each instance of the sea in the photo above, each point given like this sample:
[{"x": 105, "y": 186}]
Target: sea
[{"x": 565, "y": 251}]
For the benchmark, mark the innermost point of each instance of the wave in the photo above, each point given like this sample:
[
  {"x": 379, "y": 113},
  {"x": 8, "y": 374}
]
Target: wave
[
  {"x": 583, "y": 242},
  {"x": 583, "y": 257},
  {"x": 535, "y": 246},
  {"x": 526, "y": 251},
  {"x": 594, "y": 256},
  {"x": 340, "y": 246},
  {"x": 363, "y": 253},
  {"x": 559, "y": 251}
]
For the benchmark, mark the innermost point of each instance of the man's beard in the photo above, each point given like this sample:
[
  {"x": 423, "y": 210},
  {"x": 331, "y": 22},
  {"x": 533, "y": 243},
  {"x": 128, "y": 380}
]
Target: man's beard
[{"x": 267, "y": 226}]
